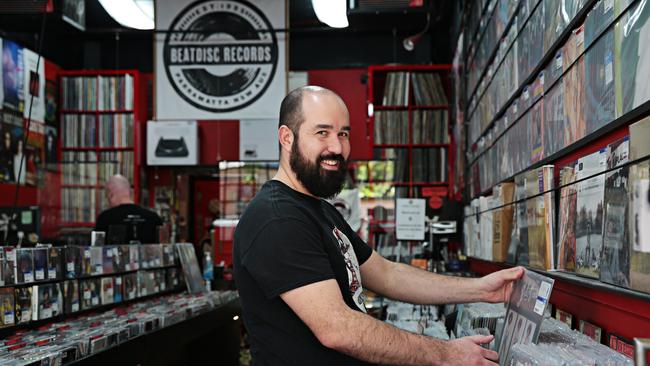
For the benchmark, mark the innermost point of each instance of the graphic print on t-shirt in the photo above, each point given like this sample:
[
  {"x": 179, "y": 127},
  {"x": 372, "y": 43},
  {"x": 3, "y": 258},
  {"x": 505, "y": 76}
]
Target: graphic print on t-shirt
[{"x": 352, "y": 265}]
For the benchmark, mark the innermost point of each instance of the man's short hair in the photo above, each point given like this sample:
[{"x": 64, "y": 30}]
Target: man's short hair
[{"x": 291, "y": 108}]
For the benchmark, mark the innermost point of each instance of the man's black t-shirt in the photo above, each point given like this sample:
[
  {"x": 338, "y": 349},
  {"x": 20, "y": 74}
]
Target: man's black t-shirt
[
  {"x": 129, "y": 222},
  {"x": 286, "y": 240}
]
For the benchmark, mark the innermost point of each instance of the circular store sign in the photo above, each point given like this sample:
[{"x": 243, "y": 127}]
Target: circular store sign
[{"x": 220, "y": 56}]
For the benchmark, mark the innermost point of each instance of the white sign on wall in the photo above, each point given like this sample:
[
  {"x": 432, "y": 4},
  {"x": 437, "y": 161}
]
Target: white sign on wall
[
  {"x": 172, "y": 143},
  {"x": 219, "y": 59},
  {"x": 409, "y": 218},
  {"x": 256, "y": 140}
]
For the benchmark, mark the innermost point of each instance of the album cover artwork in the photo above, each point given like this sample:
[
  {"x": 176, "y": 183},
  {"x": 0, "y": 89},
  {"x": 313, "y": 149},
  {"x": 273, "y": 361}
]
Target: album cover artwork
[
  {"x": 564, "y": 317},
  {"x": 71, "y": 296},
  {"x": 567, "y": 218},
  {"x": 599, "y": 88},
  {"x": 633, "y": 33},
  {"x": 109, "y": 259},
  {"x": 124, "y": 257},
  {"x": 23, "y": 304},
  {"x": 107, "y": 290},
  {"x": 73, "y": 259},
  {"x": 520, "y": 252},
  {"x": 12, "y": 75},
  {"x": 539, "y": 213},
  {"x": 97, "y": 260},
  {"x": 90, "y": 293},
  {"x": 118, "y": 289},
  {"x": 9, "y": 265},
  {"x": 134, "y": 258},
  {"x": 50, "y": 300},
  {"x": 7, "y": 309},
  {"x": 574, "y": 99},
  {"x": 54, "y": 263},
  {"x": 639, "y": 206},
  {"x": 40, "y": 263},
  {"x": 615, "y": 259},
  {"x": 130, "y": 286},
  {"x": 554, "y": 120},
  {"x": 169, "y": 258},
  {"x": 592, "y": 331},
  {"x": 24, "y": 269},
  {"x": 525, "y": 312},
  {"x": 86, "y": 264},
  {"x": 589, "y": 227},
  {"x": 536, "y": 132},
  {"x": 190, "y": 267}
]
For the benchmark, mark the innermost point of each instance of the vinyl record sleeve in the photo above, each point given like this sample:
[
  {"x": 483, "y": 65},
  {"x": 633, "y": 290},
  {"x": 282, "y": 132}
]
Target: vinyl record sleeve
[
  {"x": 567, "y": 219},
  {"x": 589, "y": 226},
  {"x": 525, "y": 312},
  {"x": 615, "y": 258}
]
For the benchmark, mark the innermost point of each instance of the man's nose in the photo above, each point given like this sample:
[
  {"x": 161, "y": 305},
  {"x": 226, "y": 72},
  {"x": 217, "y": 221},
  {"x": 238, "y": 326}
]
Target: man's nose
[{"x": 334, "y": 145}]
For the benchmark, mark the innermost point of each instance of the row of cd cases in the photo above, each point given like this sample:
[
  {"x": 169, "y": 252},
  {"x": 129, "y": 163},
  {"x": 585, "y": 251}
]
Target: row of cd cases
[
  {"x": 47, "y": 263},
  {"x": 61, "y": 343}
]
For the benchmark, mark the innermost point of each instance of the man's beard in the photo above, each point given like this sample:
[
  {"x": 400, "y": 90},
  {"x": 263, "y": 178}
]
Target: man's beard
[{"x": 318, "y": 181}]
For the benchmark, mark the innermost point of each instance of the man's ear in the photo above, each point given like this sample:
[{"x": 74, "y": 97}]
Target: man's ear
[{"x": 285, "y": 135}]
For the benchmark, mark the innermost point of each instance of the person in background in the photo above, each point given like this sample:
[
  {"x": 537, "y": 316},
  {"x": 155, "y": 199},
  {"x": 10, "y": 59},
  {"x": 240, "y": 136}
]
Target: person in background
[
  {"x": 301, "y": 270},
  {"x": 125, "y": 222}
]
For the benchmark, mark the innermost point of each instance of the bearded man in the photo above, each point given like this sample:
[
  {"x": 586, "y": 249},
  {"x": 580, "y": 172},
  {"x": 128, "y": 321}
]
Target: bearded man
[{"x": 300, "y": 269}]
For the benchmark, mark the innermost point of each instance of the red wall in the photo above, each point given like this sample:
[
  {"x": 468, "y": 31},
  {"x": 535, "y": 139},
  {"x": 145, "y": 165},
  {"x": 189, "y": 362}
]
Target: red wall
[{"x": 347, "y": 84}]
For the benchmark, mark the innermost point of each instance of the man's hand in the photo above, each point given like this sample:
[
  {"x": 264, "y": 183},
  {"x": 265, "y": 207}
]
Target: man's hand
[
  {"x": 468, "y": 351},
  {"x": 497, "y": 286}
]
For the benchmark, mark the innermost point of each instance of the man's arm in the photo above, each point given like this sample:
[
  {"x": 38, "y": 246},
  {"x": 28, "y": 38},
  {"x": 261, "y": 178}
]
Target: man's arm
[
  {"x": 321, "y": 307},
  {"x": 409, "y": 284}
]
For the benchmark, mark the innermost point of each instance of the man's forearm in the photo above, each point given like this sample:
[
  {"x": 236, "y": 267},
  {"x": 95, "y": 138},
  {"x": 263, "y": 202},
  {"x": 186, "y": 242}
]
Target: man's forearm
[
  {"x": 410, "y": 284},
  {"x": 371, "y": 340}
]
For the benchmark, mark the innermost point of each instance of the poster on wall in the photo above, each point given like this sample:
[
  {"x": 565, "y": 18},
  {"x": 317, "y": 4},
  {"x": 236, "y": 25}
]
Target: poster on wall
[
  {"x": 219, "y": 59},
  {"x": 34, "y": 84},
  {"x": 172, "y": 143},
  {"x": 255, "y": 143}
]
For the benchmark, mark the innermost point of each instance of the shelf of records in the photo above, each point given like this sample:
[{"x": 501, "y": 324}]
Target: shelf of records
[
  {"x": 531, "y": 339},
  {"x": 97, "y": 93},
  {"x": 103, "y": 131},
  {"x": 510, "y": 28},
  {"x": 427, "y": 89},
  {"x": 44, "y": 282},
  {"x": 418, "y": 164},
  {"x": 91, "y": 167},
  {"x": 428, "y": 127},
  {"x": 524, "y": 331},
  {"x": 63, "y": 342},
  {"x": 591, "y": 224},
  {"x": 575, "y": 28}
]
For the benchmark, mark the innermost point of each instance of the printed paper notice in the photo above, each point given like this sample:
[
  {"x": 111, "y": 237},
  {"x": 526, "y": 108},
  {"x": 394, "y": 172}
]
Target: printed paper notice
[{"x": 410, "y": 218}]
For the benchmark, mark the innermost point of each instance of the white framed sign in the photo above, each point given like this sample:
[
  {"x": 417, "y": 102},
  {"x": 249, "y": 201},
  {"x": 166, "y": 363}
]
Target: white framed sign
[
  {"x": 172, "y": 143},
  {"x": 256, "y": 142},
  {"x": 219, "y": 59},
  {"x": 409, "y": 218}
]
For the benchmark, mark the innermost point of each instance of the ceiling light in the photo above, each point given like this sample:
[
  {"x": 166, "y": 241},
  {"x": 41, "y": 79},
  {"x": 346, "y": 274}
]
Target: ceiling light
[
  {"x": 136, "y": 14},
  {"x": 331, "y": 12}
]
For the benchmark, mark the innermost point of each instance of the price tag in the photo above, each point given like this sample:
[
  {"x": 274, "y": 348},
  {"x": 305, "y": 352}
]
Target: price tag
[
  {"x": 542, "y": 298},
  {"x": 558, "y": 60},
  {"x": 40, "y": 274},
  {"x": 9, "y": 317},
  {"x": 46, "y": 313},
  {"x": 87, "y": 295},
  {"x": 94, "y": 301},
  {"x": 51, "y": 273},
  {"x": 75, "y": 306},
  {"x": 70, "y": 266},
  {"x": 118, "y": 281},
  {"x": 29, "y": 277}
]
